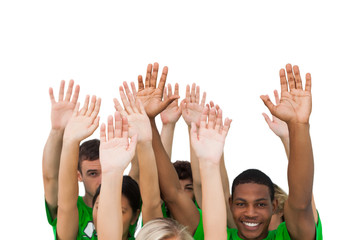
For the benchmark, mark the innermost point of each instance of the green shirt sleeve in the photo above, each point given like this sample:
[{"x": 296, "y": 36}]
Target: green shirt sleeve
[{"x": 199, "y": 233}]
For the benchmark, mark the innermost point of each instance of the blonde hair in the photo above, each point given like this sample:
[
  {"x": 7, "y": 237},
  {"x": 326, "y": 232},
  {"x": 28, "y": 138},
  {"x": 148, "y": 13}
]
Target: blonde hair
[
  {"x": 163, "y": 229},
  {"x": 281, "y": 197}
]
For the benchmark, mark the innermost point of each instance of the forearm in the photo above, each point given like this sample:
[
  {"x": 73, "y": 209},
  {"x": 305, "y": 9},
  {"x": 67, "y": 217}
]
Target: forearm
[
  {"x": 109, "y": 223},
  {"x": 167, "y": 137},
  {"x": 67, "y": 223},
  {"x": 168, "y": 179},
  {"x": 286, "y": 143},
  {"x": 214, "y": 218},
  {"x": 301, "y": 166},
  {"x": 226, "y": 188},
  {"x": 50, "y": 168},
  {"x": 149, "y": 182},
  {"x": 134, "y": 170},
  {"x": 195, "y": 170}
]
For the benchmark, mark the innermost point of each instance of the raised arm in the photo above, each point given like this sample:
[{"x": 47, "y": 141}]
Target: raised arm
[
  {"x": 181, "y": 206},
  {"x": 281, "y": 130},
  {"x": 80, "y": 126},
  {"x": 115, "y": 155},
  {"x": 139, "y": 125},
  {"x": 61, "y": 112},
  {"x": 294, "y": 109},
  {"x": 208, "y": 143},
  {"x": 169, "y": 116}
]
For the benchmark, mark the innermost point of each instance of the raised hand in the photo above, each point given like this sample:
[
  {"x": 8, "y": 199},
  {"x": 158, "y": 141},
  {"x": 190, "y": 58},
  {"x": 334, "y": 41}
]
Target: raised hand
[
  {"x": 191, "y": 106},
  {"x": 115, "y": 150},
  {"x": 151, "y": 95},
  {"x": 208, "y": 140},
  {"x": 295, "y": 105},
  {"x": 84, "y": 122},
  {"x": 62, "y": 109},
  {"x": 134, "y": 111},
  {"x": 172, "y": 112},
  {"x": 279, "y": 127}
]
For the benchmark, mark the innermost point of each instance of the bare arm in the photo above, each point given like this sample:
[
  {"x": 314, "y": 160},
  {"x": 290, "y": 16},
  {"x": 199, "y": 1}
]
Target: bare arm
[
  {"x": 181, "y": 207},
  {"x": 115, "y": 155},
  {"x": 169, "y": 117},
  {"x": 208, "y": 143},
  {"x": 81, "y": 125},
  {"x": 139, "y": 125},
  {"x": 281, "y": 130},
  {"x": 61, "y": 111},
  {"x": 295, "y": 109}
]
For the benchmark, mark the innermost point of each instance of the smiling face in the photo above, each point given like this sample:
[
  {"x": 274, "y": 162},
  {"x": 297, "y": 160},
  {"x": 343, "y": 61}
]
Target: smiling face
[{"x": 252, "y": 209}]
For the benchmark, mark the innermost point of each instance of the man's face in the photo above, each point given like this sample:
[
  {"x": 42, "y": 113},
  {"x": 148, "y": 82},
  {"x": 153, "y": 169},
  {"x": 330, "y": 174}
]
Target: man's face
[
  {"x": 90, "y": 176},
  {"x": 252, "y": 209},
  {"x": 187, "y": 186}
]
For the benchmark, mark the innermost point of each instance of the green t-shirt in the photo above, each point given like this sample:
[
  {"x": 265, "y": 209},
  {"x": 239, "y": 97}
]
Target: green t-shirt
[
  {"x": 86, "y": 225},
  {"x": 281, "y": 233}
]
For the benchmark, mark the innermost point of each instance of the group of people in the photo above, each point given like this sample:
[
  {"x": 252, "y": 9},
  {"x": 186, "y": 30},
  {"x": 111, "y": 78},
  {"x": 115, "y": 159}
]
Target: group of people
[{"x": 180, "y": 200}]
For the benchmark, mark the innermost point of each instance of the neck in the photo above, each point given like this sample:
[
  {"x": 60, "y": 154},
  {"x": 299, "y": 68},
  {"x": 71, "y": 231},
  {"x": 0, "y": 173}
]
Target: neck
[{"x": 88, "y": 200}]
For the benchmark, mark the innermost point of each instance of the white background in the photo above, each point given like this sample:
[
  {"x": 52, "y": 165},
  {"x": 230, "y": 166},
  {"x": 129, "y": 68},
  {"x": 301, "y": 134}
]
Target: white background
[{"x": 232, "y": 49}]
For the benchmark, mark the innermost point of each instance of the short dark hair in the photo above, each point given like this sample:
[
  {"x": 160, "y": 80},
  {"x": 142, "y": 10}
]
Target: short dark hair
[
  {"x": 253, "y": 176},
  {"x": 183, "y": 169},
  {"x": 88, "y": 150},
  {"x": 130, "y": 189}
]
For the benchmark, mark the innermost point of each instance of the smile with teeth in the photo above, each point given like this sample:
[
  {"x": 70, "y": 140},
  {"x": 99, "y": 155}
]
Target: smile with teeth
[{"x": 250, "y": 224}]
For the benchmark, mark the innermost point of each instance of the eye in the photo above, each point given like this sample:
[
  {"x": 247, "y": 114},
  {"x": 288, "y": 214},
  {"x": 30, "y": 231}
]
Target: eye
[
  {"x": 240, "y": 204},
  {"x": 262, "y": 205},
  {"x": 92, "y": 174}
]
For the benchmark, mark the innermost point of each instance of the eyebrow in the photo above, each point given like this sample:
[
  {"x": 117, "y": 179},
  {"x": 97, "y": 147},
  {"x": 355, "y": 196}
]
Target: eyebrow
[
  {"x": 91, "y": 170},
  {"x": 257, "y": 200}
]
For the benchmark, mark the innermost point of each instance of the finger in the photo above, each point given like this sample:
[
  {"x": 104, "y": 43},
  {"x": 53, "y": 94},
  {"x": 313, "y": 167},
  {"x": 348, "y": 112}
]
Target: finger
[
  {"x": 163, "y": 79},
  {"x": 92, "y": 106},
  {"x": 96, "y": 109},
  {"x": 170, "y": 90},
  {"x": 85, "y": 106},
  {"x": 187, "y": 94},
  {"x": 197, "y": 95},
  {"x": 118, "y": 125},
  {"x": 133, "y": 89},
  {"x": 76, "y": 94},
  {"x": 277, "y": 99},
  {"x": 212, "y": 118},
  {"x": 128, "y": 92},
  {"x": 154, "y": 75},
  {"x": 117, "y": 105},
  {"x": 267, "y": 119},
  {"x": 176, "y": 92},
  {"x": 298, "y": 82},
  {"x": 125, "y": 101},
  {"x": 132, "y": 144},
  {"x": 76, "y": 109},
  {"x": 165, "y": 93},
  {"x": 218, "y": 124},
  {"x": 140, "y": 83},
  {"x": 125, "y": 127},
  {"x": 226, "y": 127},
  {"x": 192, "y": 93},
  {"x": 140, "y": 106},
  {"x": 212, "y": 104},
  {"x": 103, "y": 133},
  {"x": 204, "y": 116},
  {"x": 283, "y": 82},
  {"x": 290, "y": 77},
  {"x": 203, "y": 99},
  {"x": 61, "y": 90},
  {"x": 69, "y": 90},
  {"x": 94, "y": 125},
  {"x": 268, "y": 103},
  {"x": 148, "y": 75},
  {"x": 110, "y": 128},
  {"x": 308, "y": 83},
  {"x": 51, "y": 94}
]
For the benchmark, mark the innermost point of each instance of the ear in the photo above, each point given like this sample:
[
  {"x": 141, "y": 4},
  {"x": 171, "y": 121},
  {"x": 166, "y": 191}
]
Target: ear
[
  {"x": 230, "y": 201},
  {"x": 135, "y": 217},
  {"x": 79, "y": 176},
  {"x": 275, "y": 205}
]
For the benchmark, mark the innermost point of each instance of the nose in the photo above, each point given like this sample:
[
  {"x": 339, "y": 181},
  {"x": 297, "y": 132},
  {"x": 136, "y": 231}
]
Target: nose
[{"x": 250, "y": 211}]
